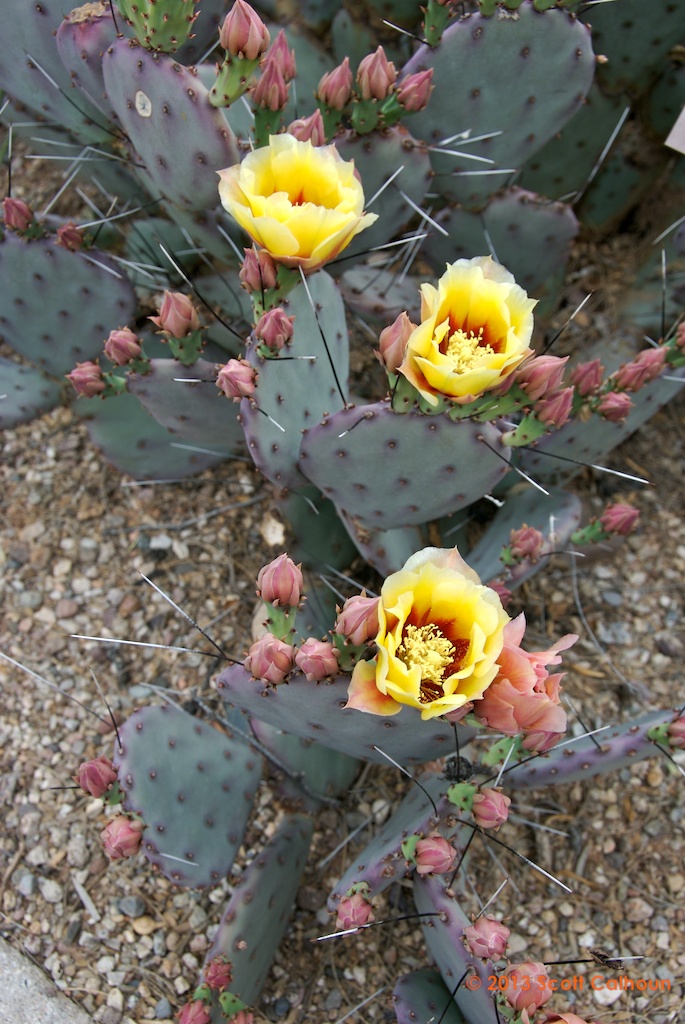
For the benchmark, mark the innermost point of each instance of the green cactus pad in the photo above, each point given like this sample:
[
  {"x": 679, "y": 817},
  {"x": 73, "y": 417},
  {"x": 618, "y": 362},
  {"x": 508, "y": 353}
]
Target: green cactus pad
[
  {"x": 317, "y": 711},
  {"x": 192, "y": 786},
  {"x": 25, "y": 393},
  {"x": 259, "y": 909},
  {"x": 385, "y": 550},
  {"x": 423, "y": 995},
  {"x": 56, "y": 306},
  {"x": 297, "y": 391},
  {"x": 159, "y": 103},
  {"x": 320, "y": 537},
  {"x": 391, "y": 470},
  {"x": 549, "y": 58},
  {"x": 380, "y": 295},
  {"x": 324, "y": 772},
  {"x": 81, "y": 39}
]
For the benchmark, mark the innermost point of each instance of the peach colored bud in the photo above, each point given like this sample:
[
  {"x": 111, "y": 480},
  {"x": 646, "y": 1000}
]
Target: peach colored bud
[
  {"x": 646, "y": 366},
  {"x": 275, "y": 328},
  {"x": 269, "y": 659},
  {"x": 354, "y": 911},
  {"x": 280, "y": 582},
  {"x": 587, "y": 377},
  {"x": 376, "y": 76},
  {"x": 177, "y": 315},
  {"x": 309, "y": 129},
  {"x": 358, "y": 620},
  {"x": 122, "y": 836},
  {"x": 335, "y": 87},
  {"x": 87, "y": 379},
  {"x": 258, "y": 272},
  {"x": 621, "y": 519},
  {"x": 271, "y": 91},
  {"x": 528, "y": 988},
  {"x": 70, "y": 237},
  {"x": 194, "y": 1013},
  {"x": 680, "y": 337},
  {"x": 490, "y": 808},
  {"x": 16, "y": 214},
  {"x": 414, "y": 91},
  {"x": 282, "y": 55},
  {"x": 614, "y": 406},
  {"x": 317, "y": 659},
  {"x": 526, "y": 543},
  {"x": 676, "y": 733},
  {"x": 567, "y": 1018},
  {"x": 555, "y": 410},
  {"x": 218, "y": 973},
  {"x": 122, "y": 346},
  {"x": 96, "y": 776},
  {"x": 487, "y": 938},
  {"x": 243, "y": 1017},
  {"x": 434, "y": 855},
  {"x": 237, "y": 379},
  {"x": 542, "y": 375},
  {"x": 243, "y": 33},
  {"x": 392, "y": 342}
]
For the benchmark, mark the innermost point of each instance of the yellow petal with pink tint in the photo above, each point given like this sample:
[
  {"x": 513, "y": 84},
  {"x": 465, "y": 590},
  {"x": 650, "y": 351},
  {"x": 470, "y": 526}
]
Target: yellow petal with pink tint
[{"x": 364, "y": 695}]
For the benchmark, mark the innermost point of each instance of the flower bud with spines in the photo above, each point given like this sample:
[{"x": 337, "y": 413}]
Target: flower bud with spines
[
  {"x": 258, "y": 272},
  {"x": 237, "y": 379},
  {"x": 354, "y": 911},
  {"x": 392, "y": 342},
  {"x": 245, "y": 38},
  {"x": 88, "y": 379},
  {"x": 309, "y": 129},
  {"x": 614, "y": 406},
  {"x": 275, "y": 328},
  {"x": 270, "y": 659},
  {"x": 414, "y": 91},
  {"x": 619, "y": 519},
  {"x": 490, "y": 808},
  {"x": 587, "y": 378},
  {"x": 96, "y": 777},
  {"x": 123, "y": 346},
  {"x": 317, "y": 659},
  {"x": 194, "y": 1012},
  {"x": 434, "y": 855},
  {"x": 541, "y": 376},
  {"x": 487, "y": 938},
  {"x": 280, "y": 583},
  {"x": 122, "y": 837}
]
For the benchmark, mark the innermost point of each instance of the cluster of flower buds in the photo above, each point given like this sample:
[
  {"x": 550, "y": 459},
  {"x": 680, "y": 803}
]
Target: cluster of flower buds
[
  {"x": 487, "y": 938},
  {"x": 237, "y": 379},
  {"x": 122, "y": 837}
]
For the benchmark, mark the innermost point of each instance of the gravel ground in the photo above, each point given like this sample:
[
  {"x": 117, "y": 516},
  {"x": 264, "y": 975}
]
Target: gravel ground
[{"x": 127, "y": 946}]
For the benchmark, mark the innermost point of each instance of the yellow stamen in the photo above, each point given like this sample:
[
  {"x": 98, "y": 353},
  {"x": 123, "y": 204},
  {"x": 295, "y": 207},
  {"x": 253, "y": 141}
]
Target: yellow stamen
[
  {"x": 466, "y": 349},
  {"x": 428, "y": 649}
]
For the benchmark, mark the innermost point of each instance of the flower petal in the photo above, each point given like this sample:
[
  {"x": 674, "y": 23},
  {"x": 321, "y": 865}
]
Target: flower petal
[{"x": 363, "y": 695}]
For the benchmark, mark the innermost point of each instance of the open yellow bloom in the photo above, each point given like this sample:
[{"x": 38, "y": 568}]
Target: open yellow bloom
[
  {"x": 302, "y": 203},
  {"x": 475, "y": 329},
  {"x": 440, "y": 634}
]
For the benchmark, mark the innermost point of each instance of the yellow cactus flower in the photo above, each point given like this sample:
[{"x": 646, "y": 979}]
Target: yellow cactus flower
[
  {"x": 475, "y": 330},
  {"x": 440, "y": 634},
  {"x": 302, "y": 203}
]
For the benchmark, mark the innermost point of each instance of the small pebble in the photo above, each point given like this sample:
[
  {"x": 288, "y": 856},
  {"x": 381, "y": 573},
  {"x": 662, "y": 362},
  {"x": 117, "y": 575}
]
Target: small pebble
[
  {"x": 282, "y": 1007},
  {"x": 50, "y": 890},
  {"x": 131, "y": 906},
  {"x": 163, "y": 1009}
]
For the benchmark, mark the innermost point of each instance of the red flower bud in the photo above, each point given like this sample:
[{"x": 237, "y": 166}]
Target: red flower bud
[
  {"x": 555, "y": 410},
  {"x": 177, "y": 315},
  {"x": 282, "y": 55},
  {"x": 269, "y": 659},
  {"x": 237, "y": 379},
  {"x": 258, "y": 272},
  {"x": 280, "y": 582},
  {"x": 487, "y": 938},
  {"x": 87, "y": 379},
  {"x": 358, "y": 620},
  {"x": 271, "y": 91},
  {"x": 354, "y": 911},
  {"x": 275, "y": 328},
  {"x": 392, "y": 342},
  {"x": 317, "y": 659},
  {"x": 309, "y": 129},
  {"x": 16, "y": 214},
  {"x": 194, "y": 1013},
  {"x": 376, "y": 76},
  {"x": 587, "y": 377},
  {"x": 414, "y": 91},
  {"x": 434, "y": 855},
  {"x": 526, "y": 543},
  {"x": 70, "y": 237},
  {"x": 614, "y": 406},
  {"x": 490, "y": 808},
  {"x": 95, "y": 777},
  {"x": 122, "y": 837},
  {"x": 526, "y": 988},
  {"x": 218, "y": 973},
  {"x": 122, "y": 346},
  {"x": 541, "y": 375},
  {"x": 620, "y": 519},
  {"x": 335, "y": 87},
  {"x": 243, "y": 33}
]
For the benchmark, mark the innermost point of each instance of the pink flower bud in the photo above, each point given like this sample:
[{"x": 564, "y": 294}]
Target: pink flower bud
[
  {"x": 243, "y": 33},
  {"x": 87, "y": 379},
  {"x": 676, "y": 733},
  {"x": 70, "y": 237},
  {"x": 680, "y": 337},
  {"x": 309, "y": 129},
  {"x": 462, "y": 712},
  {"x": 282, "y": 55},
  {"x": 376, "y": 76},
  {"x": 237, "y": 379},
  {"x": 646, "y": 366},
  {"x": 243, "y": 1017},
  {"x": 354, "y": 911},
  {"x": 275, "y": 328},
  {"x": 280, "y": 582},
  {"x": 269, "y": 659},
  {"x": 392, "y": 342},
  {"x": 526, "y": 543},
  {"x": 16, "y": 214},
  {"x": 122, "y": 346},
  {"x": 95, "y": 777},
  {"x": 487, "y": 938},
  {"x": 177, "y": 315},
  {"x": 194, "y": 1013},
  {"x": 218, "y": 973},
  {"x": 414, "y": 91},
  {"x": 335, "y": 87},
  {"x": 318, "y": 659},
  {"x": 358, "y": 620},
  {"x": 258, "y": 272},
  {"x": 271, "y": 91},
  {"x": 620, "y": 519},
  {"x": 528, "y": 987},
  {"x": 490, "y": 808},
  {"x": 587, "y": 377},
  {"x": 541, "y": 376},
  {"x": 122, "y": 836},
  {"x": 614, "y": 406},
  {"x": 567, "y": 1018},
  {"x": 434, "y": 855},
  {"x": 555, "y": 410}
]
